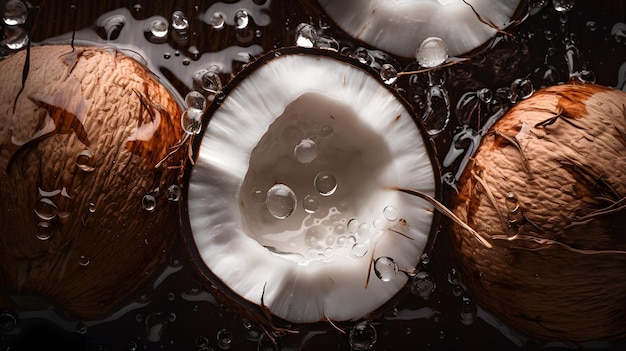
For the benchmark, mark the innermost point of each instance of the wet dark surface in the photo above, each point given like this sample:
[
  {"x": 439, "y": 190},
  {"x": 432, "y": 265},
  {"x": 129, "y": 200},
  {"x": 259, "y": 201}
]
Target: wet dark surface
[{"x": 176, "y": 312}]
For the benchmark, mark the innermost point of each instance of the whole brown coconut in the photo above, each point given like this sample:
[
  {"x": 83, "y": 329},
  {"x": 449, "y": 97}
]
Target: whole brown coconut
[
  {"x": 547, "y": 188},
  {"x": 85, "y": 165}
]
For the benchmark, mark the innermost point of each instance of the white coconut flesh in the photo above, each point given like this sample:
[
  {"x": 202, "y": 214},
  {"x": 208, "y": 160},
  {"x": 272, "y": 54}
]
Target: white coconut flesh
[
  {"x": 307, "y": 249},
  {"x": 400, "y": 26}
]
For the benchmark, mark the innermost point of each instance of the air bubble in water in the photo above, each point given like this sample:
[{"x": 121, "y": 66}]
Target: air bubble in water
[
  {"x": 191, "y": 120},
  {"x": 310, "y": 204},
  {"x": 173, "y": 193},
  {"x": 362, "y": 337},
  {"x": 224, "y": 339},
  {"x": 241, "y": 19},
  {"x": 388, "y": 74},
  {"x": 281, "y": 201},
  {"x": 315, "y": 237},
  {"x": 422, "y": 285},
  {"x": 179, "y": 21},
  {"x": 385, "y": 268},
  {"x": 15, "y": 13},
  {"x": 390, "y": 213},
  {"x": 325, "y": 183},
  {"x": 432, "y": 52},
  {"x": 563, "y": 5},
  {"x": 359, "y": 249},
  {"x": 83, "y": 161},
  {"x": 306, "y": 35},
  {"x": 217, "y": 20},
  {"x": 195, "y": 99},
  {"x": 305, "y": 151},
  {"x": 159, "y": 28},
  {"x": 148, "y": 202}
]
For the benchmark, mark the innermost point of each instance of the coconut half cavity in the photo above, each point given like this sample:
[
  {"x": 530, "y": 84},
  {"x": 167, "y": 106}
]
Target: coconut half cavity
[
  {"x": 400, "y": 26},
  {"x": 290, "y": 201}
]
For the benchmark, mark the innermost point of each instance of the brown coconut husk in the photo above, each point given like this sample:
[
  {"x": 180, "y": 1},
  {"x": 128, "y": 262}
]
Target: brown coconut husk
[
  {"x": 557, "y": 266},
  {"x": 103, "y": 244}
]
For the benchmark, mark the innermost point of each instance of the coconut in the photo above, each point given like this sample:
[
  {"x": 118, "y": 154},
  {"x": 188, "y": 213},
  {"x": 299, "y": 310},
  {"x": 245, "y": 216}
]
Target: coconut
[
  {"x": 85, "y": 165},
  {"x": 401, "y": 27},
  {"x": 291, "y": 206},
  {"x": 546, "y": 188}
]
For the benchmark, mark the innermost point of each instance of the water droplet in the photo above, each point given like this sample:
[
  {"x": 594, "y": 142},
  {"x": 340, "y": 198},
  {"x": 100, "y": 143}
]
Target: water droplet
[
  {"x": 521, "y": 88},
  {"x": 437, "y": 114},
  {"x": 453, "y": 277},
  {"x": 281, "y": 201},
  {"x": 15, "y": 38},
  {"x": 591, "y": 26},
  {"x": 515, "y": 214},
  {"x": 363, "y": 55},
  {"x": 252, "y": 332},
  {"x": 432, "y": 52},
  {"x": 385, "y": 268},
  {"x": 209, "y": 79},
  {"x": 159, "y": 28},
  {"x": 44, "y": 230},
  {"x": 191, "y": 120},
  {"x": 137, "y": 7},
  {"x": 84, "y": 160},
  {"x": 174, "y": 193},
  {"x": 266, "y": 344},
  {"x": 148, "y": 202},
  {"x": 195, "y": 99},
  {"x": 305, "y": 151},
  {"x": 563, "y": 5},
  {"x": 224, "y": 339},
  {"x": 241, "y": 19},
  {"x": 167, "y": 55},
  {"x": 310, "y": 204},
  {"x": 15, "y": 13},
  {"x": 359, "y": 249},
  {"x": 388, "y": 74},
  {"x": 326, "y": 131},
  {"x": 83, "y": 260},
  {"x": 46, "y": 209},
  {"x": 391, "y": 213},
  {"x": 315, "y": 237},
  {"x": 325, "y": 183},
  {"x": 485, "y": 95},
  {"x": 353, "y": 225},
  {"x": 81, "y": 328},
  {"x": 217, "y": 20},
  {"x": 8, "y": 322},
  {"x": 186, "y": 62},
  {"x": 328, "y": 43},
  {"x": 113, "y": 26},
  {"x": 306, "y": 35},
  {"x": 179, "y": 21},
  {"x": 362, "y": 337},
  {"x": 202, "y": 341},
  {"x": 468, "y": 311},
  {"x": 423, "y": 285}
]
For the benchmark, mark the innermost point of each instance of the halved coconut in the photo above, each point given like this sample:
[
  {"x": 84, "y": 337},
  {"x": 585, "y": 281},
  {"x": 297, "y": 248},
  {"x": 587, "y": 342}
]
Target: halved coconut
[
  {"x": 290, "y": 202},
  {"x": 400, "y": 26}
]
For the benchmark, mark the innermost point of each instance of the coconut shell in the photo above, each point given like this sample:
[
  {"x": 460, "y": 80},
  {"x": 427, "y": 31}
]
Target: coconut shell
[
  {"x": 80, "y": 147},
  {"x": 547, "y": 188}
]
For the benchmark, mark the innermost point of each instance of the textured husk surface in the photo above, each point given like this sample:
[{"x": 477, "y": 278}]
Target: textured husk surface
[
  {"x": 556, "y": 270},
  {"x": 79, "y": 149}
]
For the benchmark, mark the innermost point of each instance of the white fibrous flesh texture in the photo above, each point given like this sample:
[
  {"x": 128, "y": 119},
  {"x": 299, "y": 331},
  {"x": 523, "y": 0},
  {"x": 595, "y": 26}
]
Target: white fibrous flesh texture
[{"x": 290, "y": 199}]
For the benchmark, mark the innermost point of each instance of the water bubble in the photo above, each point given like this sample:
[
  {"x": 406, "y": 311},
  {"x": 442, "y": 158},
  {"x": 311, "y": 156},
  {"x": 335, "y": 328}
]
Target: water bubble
[
  {"x": 305, "y": 151},
  {"x": 423, "y": 285},
  {"x": 83, "y": 161},
  {"x": 281, "y": 201},
  {"x": 44, "y": 231},
  {"x": 563, "y": 5},
  {"x": 432, "y": 52},
  {"x": 148, "y": 202},
  {"x": 241, "y": 19},
  {"x": 385, "y": 268},
  {"x": 191, "y": 120},
  {"x": 179, "y": 21},
  {"x": 485, "y": 95},
  {"x": 15, "y": 38},
  {"x": 306, "y": 35},
  {"x": 217, "y": 20},
  {"x": 195, "y": 99},
  {"x": 359, "y": 249},
  {"x": 325, "y": 183},
  {"x": 83, "y": 260},
  {"x": 8, "y": 322},
  {"x": 174, "y": 193},
  {"x": 362, "y": 337},
  {"x": 315, "y": 237},
  {"x": 388, "y": 74},
  {"x": 390, "y": 213},
  {"x": 521, "y": 88},
  {"x": 224, "y": 339},
  {"x": 353, "y": 225},
  {"x": 310, "y": 204},
  {"x": 15, "y": 13},
  {"x": 113, "y": 26},
  {"x": 46, "y": 209}
]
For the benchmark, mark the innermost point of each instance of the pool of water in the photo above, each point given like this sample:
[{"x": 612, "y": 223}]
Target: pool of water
[{"x": 176, "y": 311}]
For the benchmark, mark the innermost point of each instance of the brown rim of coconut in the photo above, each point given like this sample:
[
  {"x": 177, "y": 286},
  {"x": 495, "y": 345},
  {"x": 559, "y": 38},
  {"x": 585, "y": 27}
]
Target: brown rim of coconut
[
  {"x": 399, "y": 27},
  {"x": 292, "y": 192}
]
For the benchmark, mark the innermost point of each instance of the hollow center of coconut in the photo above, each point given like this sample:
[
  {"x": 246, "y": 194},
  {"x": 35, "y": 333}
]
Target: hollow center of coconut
[{"x": 314, "y": 189}]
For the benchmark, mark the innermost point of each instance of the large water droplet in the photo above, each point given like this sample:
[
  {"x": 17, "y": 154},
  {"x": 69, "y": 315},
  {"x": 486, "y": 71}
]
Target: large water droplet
[
  {"x": 305, "y": 151},
  {"x": 362, "y": 337},
  {"x": 281, "y": 201},
  {"x": 310, "y": 204},
  {"x": 209, "y": 79},
  {"x": 306, "y": 35},
  {"x": 15, "y": 13},
  {"x": 148, "y": 202},
  {"x": 325, "y": 183},
  {"x": 390, "y": 213},
  {"x": 159, "y": 28},
  {"x": 432, "y": 52},
  {"x": 423, "y": 285},
  {"x": 84, "y": 160},
  {"x": 385, "y": 268},
  {"x": 359, "y": 249},
  {"x": 44, "y": 230},
  {"x": 179, "y": 21},
  {"x": 195, "y": 99},
  {"x": 191, "y": 120},
  {"x": 15, "y": 38},
  {"x": 521, "y": 88},
  {"x": 315, "y": 237},
  {"x": 217, "y": 20},
  {"x": 388, "y": 73},
  {"x": 46, "y": 209},
  {"x": 241, "y": 19}
]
